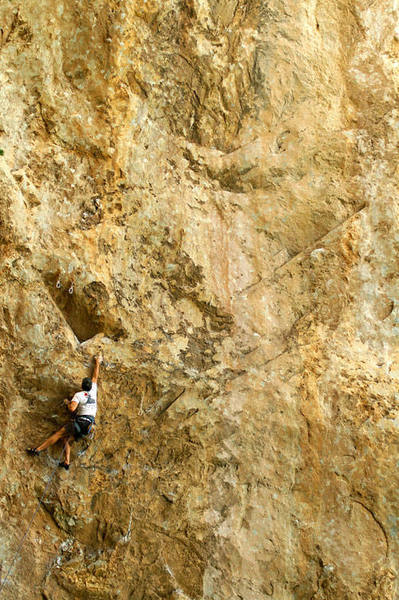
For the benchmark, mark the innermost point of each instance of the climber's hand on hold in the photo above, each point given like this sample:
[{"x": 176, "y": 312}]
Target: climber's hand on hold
[{"x": 97, "y": 362}]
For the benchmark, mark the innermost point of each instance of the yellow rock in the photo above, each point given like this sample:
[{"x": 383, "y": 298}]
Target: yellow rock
[{"x": 206, "y": 192}]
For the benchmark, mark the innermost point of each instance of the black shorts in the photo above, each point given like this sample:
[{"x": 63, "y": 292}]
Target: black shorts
[{"x": 80, "y": 426}]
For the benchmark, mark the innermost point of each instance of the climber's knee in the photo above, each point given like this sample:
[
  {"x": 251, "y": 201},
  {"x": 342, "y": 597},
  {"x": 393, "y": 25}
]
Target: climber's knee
[{"x": 60, "y": 433}]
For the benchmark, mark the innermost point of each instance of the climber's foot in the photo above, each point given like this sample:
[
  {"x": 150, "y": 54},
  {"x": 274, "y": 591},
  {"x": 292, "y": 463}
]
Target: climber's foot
[
  {"x": 33, "y": 451},
  {"x": 63, "y": 464}
]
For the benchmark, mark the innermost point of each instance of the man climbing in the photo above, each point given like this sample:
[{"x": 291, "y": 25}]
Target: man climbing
[{"x": 83, "y": 406}]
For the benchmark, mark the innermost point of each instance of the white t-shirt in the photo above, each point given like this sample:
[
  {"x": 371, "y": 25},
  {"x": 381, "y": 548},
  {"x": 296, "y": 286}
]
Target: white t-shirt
[{"x": 87, "y": 402}]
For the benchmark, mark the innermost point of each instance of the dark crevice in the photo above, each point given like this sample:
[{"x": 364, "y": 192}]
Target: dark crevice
[
  {"x": 165, "y": 403},
  {"x": 85, "y": 309},
  {"x": 376, "y": 520}
]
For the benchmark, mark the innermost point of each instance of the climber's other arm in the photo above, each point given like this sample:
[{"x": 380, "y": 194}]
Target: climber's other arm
[{"x": 71, "y": 404}]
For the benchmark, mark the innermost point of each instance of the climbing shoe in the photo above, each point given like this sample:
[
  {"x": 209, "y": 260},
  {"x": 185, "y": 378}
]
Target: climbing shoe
[
  {"x": 33, "y": 451},
  {"x": 63, "y": 464}
]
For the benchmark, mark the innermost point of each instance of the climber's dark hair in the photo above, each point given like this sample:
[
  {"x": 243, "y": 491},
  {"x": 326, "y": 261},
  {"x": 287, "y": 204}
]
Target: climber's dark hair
[{"x": 86, "y": 384}]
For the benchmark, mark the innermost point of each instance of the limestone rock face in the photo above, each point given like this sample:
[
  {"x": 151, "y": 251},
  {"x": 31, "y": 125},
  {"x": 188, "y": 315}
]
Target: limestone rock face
[{"x": 206, "y": 191}]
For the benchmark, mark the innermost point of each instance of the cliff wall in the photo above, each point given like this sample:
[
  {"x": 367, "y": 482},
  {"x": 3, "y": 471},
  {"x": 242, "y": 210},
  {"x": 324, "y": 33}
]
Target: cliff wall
[{"x": 206, "y": 191}]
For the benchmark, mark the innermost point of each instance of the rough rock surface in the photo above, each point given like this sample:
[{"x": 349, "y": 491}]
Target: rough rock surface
[{"x": 216, "y": 184}]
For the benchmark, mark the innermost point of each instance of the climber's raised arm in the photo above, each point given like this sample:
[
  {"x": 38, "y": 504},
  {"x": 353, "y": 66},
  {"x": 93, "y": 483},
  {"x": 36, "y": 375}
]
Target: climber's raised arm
[{"x": 98, "y": 360}]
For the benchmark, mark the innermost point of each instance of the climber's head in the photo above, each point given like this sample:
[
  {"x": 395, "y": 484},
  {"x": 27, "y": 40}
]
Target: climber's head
[{"x": 86, "y": 384}]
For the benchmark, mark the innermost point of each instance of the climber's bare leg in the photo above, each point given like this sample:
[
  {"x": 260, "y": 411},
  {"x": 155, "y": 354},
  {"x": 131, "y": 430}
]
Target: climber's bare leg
[
  {"x": 53, "y": 439},
  {"x": 68, "y": 449}
]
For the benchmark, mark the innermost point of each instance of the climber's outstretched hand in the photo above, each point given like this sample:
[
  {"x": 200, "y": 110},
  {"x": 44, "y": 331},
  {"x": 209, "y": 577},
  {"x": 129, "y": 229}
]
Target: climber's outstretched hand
[{"x": 97, "y": 362}]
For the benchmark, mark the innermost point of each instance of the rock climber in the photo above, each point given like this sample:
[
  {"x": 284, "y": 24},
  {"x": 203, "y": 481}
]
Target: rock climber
[{"x": 83, "y": 407}]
